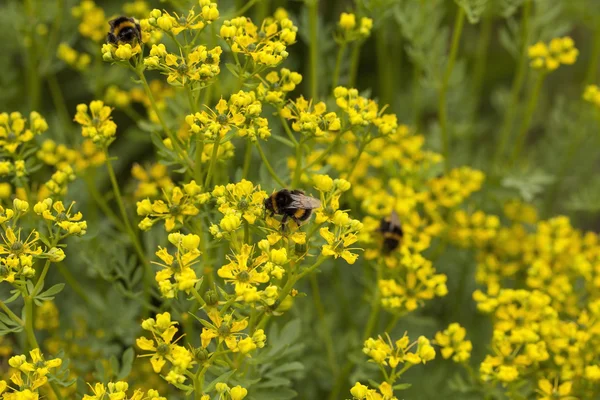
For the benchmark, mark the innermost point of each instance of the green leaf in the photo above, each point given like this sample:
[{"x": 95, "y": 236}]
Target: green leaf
[
  {"x": 402, "y": 386},
  {"x": 50, "y": 293},
  {"x": 126, "y": 363},
  {"x": 221, "y": 378},
  {"x": 473, "y": 8},
  {"x": 233, "y": 69}
]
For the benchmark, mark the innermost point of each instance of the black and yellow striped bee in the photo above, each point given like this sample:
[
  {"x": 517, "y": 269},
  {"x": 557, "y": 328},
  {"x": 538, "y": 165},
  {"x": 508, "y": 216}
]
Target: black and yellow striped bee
[
  {"x": 124, "y": 30},
  {"x": 392, "y": 233},
  {"x": 292, "y": 204}
]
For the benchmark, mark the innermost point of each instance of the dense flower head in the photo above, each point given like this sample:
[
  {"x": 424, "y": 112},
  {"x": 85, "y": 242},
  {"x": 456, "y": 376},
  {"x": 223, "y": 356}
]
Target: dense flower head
[
  {"x": 120, "y": 52},
  {"x": 241, "y": 112},
  {"x": 55, "y": 211},
  {"x": 243, "y": 199},
  {"x": 120, "y": 390},
  {"x": 344, "y": 235},
  {"x": 177, "y": 273},
  {"x": 93, "y": 20},
  {"x": 349, "y": 30},
  {"x": 73, "y": 58},
  {"x": 388, "y": 353},
  {"x": 96, "y": 122},
  {"x": 200, "y": 65},
  {"x": 182, "y": 202},
  {"x": 175, "y": 23},
  {"x": 164, "y": 349},
  {"x": 276, "y": 85},
  {"x": 363, "y": 392},
  {"x": 453, "y": 343},
  {"x": 311, "y": 119},
  {"x": 265, "y": 46},
  {"x": 14, "y": 131},
  {"x": 592, "y": 95},
  {"x": 151, "y": 181},
  {"x": 362, "y": 112},
  {"x": 474, "y": 230},
  {"x": 29, "y": 376},
  {"x": 550, "y": 56}
]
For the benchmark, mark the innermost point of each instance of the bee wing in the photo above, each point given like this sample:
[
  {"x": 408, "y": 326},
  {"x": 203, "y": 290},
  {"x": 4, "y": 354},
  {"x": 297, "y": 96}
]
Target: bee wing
[
  {"x": 302, "y": 201},
  {"x": 394, "y": 220}
]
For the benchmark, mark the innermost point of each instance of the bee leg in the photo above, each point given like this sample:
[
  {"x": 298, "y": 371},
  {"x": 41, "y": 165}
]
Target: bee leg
[
  {"x": 283, "y": 222},
  {"x": 297, "y": 221}
]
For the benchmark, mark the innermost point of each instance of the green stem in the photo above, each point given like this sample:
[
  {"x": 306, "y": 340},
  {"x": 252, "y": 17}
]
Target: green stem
[
  {"x": 33, "y": 344},
  {"x": 11, "y": 314},
  {"x": 328, "y": 338},
  {"x": 59, "y": 102},
  {"x": 245, "y": 8},
  {"x": 72, "y": 282},
  {"x": 392, "y": 324},
  {"x": 522, "y": 134},
  {"x": 298, "y": 170},
  {"x": 313, "y": 22},
  {"x": 517, "y": 85},
  {"x": 325, "y": 152},
  {"x": 354, "y": 61},
  {"x": 247, "y": 160},
  {"x": 40, "y": 281},
  {"x": 443, "y": 111},
  {"x": 268, "y": 165},
  {"x": 128, "y": 227},
  {"x": 361, "y": 149},
  {"x": 592, "y": 69},
  {"x": 174, "y": 140},
  {"x": 287, "y": 129},
  {"x": 481, "y": 58},
  {"x": 198, "y": 297},
  {"x": 375, "y": 305},
  {"x": 338, "y": 64},
  {"x": 213, "y": 161},
  {"x": 101, "y": 202},
  {"x": 385, "y": 77}
]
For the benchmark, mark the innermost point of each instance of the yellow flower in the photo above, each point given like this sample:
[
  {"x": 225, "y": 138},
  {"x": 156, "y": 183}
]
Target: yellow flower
[
  {"x": 548, "y": 391},
  {"x": 178, "y": 267},
  {"x": 241, "y": 273},
  {"x": 98, "y": 125},
  {"x": 347, "y": 21},
  {"x": 225, "y": 329},
  {"x": 453, "y": 343}
]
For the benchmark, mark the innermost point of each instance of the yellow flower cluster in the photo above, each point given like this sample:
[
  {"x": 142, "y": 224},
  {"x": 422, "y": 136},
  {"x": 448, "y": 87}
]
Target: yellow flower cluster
[
  {"x": 362, "y": 392},
  {"x": 453, "y": 343},
  {"x": 311, "y": 119},
  {"x": 79, "y": 61},
  {"x": 152, "y": 181},
  {"x": 93, "y": 20},
  {"x": 14, "y": 131},
  {"x": 344, "y": 235},
  {"x": 243, "y": 199},
  {"x": 162, "y": 348},
  {"x": 200, "y": 65},
  {"x": 120, "y": 52},
  {"x": 592, "y": 95},
  {"x": 363, "y": 112},
  {"x": 96, "y": 123},
  {"x": 55, "y": 211},
  {"x": 29, "y": 376},
  {"x": 180, "y": 203},
  {"x": 350, "y": 31},
  {"x": 234, "y": 393},
  {"x": 177, "y": 273},
  {"x": 241, "y": 112},
  {"x": 475, "y": 230},
  {"x": 118, "y": 390},
  {"x": 175, "y": 24},
  {"x": 276, "y": 85},
  {"x": 550, "y": 56},
  {"x": 227, "y": 329},
  {"x": 266, "y": 47}
]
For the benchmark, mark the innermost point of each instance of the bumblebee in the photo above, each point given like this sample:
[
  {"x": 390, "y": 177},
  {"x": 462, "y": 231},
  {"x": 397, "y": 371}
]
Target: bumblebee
[
  {"x": 292, "y": 204},
  {"x": 392, "y": 233},
  {"x": 124, "y": 30}
]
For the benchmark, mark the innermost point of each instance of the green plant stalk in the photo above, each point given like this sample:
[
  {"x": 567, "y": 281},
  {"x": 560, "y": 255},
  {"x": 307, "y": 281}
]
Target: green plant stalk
[
  {"x": 247, "y": 160},
  {"x": 592, "y": 70},
  {"x": 171, "y": 135},
  {"x": 442, "y": 106},
  {"x": 287, "y": 129},
  {"x": 128, "y": 227},
  {"x": 11, "y": 314},
  {"x": 361, "y": 149},
  {"x": 213, "y": 161},
  {"x": 40, "y": 281},
  {"x": 517, "y": 85},
  {"x": 102, "y": 203},
  {"x": 480, "y": 59},
  {"x": 313, "y": 22},
  {"x": 33, "y": 76},
  {"x": 375, "y": 304},
  {"x": 59, "y": 102},
  {"x": 531, "y": 104},
  {"x": 385, "y": 66},
  {"x": 72, "y": 282},
  {"x": 338, "y": 64},
  {"x": 268, "y": 165},
  {"x": 298, "y": 170},
  {"x": 328, "y": 338},
  {"x": 354, "y": 61}
]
